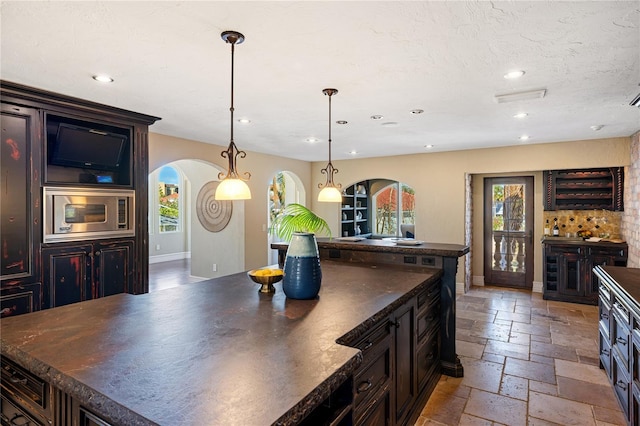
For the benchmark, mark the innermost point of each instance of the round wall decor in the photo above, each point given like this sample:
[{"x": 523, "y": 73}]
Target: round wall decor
[{"x": 213, "y": 214}]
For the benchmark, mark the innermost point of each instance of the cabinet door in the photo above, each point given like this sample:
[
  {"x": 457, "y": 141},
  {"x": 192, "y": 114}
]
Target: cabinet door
[
  {"x": 20, "y": 194},
  {"x": 404, "y": 351},
  {"x": 66, "y": 274},
  {"x": 571, "y": 275},
  {"x": 113, "y": 268}
]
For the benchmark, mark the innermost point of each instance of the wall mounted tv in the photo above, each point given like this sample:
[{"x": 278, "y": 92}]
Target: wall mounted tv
[{"x": 87, "y": 148}]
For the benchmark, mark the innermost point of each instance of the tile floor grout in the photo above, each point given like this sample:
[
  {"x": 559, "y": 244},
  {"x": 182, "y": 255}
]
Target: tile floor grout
[{"x": 527, "y": 361}]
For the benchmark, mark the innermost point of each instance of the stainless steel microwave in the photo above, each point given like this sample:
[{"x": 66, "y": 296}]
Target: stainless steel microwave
[{"x": 78, "y": 214}]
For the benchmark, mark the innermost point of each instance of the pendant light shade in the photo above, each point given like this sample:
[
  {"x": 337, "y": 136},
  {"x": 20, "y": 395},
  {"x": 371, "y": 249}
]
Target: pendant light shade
[
  {"x": 330, "y": 192},
  {"x": 232, "y": 186}
]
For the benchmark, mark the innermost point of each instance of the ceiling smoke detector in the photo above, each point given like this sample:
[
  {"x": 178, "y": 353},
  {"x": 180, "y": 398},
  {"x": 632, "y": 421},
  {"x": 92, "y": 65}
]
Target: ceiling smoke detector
[{"x": 520, "y": 96}]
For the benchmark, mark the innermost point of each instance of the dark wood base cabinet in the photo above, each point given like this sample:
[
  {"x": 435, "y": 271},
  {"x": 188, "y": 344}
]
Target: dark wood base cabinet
[
  {"x": 401, "y": 363},
  {"x": 619, "y": 330},
  {"x": 568, "y": 268}
]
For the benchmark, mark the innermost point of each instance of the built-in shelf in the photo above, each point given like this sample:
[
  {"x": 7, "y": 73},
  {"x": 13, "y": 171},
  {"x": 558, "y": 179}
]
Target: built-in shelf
[{"x": 588, "y": 189}]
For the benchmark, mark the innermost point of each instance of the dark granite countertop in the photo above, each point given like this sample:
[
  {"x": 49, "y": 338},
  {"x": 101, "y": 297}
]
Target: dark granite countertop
[
  {"x": 213, "y": 352},
  {"x": 580, "y": 241},
  {"x": 628, "y": 280},
  {"x": 387, "y": 246}
]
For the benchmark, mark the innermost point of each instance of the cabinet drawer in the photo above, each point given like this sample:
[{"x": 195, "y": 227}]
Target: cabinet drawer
[
  {"x": 621, "y": 338},
  {"x": 371, "y": 378},
  {"x": 568, "y": 249},
  {"x": 429, "y": 320},
  {"x": 428, "y": 360},
  {"x": 377, "y": 412},
  {"x": 26, "y": 394},
  {"x": 621, "y": 311},
  {"x": 13, "y": 414},
  {"x": 621, "y": 384},
  {"x": 376, "y": 340},
  {"x": 20, "y": 300},
  {"x": 608, "y": 251},
  {"x": 429, "y": 295}
]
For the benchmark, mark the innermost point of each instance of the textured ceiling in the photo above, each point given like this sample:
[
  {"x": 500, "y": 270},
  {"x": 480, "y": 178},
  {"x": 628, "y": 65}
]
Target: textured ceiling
[{"x": 385, "y": 58}]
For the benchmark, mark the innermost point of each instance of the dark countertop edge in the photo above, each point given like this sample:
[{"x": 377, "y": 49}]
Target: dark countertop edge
[
  {"x": 89, "y": 398},
  {"x": 354, "y": 334},
  {"x": 564, "y": 241},
  {"x": 436, "y": 249},
  {"x": 97, "y": 402},
  {"x": 608, "y": 274},
  {"x": 302, "y": 409}
]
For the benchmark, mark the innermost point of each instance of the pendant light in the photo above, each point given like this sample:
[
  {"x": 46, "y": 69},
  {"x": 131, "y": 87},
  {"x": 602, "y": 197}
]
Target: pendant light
[
  {"x": 232, "y": 186},
  {"x": 330, "y": 192}
]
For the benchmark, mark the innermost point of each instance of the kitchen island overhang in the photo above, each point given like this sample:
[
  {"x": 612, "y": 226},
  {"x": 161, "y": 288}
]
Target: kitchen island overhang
[
  {"x": 442, "y": 256},
  {"x": 214, "y": 352}
]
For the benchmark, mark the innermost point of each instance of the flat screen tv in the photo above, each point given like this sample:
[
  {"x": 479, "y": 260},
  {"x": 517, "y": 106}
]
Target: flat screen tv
[{"x": 87, "y": 148}]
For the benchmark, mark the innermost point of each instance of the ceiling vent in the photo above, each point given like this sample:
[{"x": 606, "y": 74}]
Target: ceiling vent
[
  {"x": 636, "y": 101},
  {"x": 520, "y": 96}
]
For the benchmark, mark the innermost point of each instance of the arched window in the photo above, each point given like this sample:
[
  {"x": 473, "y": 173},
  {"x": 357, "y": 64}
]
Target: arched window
[
  {"x": 169, "y": 203},
  {"x": 394, "y": 210}
]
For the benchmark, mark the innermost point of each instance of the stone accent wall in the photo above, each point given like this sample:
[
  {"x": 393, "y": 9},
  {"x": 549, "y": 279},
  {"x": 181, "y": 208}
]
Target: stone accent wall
[
  {"x": 631, "y": 218},
  {"x": 601, "y": 223}
]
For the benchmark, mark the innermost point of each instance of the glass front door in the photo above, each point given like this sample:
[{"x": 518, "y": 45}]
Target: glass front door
[{"x": 508, "y": 231}]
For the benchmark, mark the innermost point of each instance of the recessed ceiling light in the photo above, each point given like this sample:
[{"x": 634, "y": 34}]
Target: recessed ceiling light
[
  {"x": 428, "y": 146},
  {"x": 524, "y": 137},
  {"x": 598, "y": 127},
  {"x": 520, "y": 115},
  {"x": 353, "y": 152},
  {"x": 244, "y": 120},
  {"x": 377, "y": 117},
  {"x": 342, "y": 122},
  {"x": 416, "y": 111},
  {"x": 313, "y": 140},
  {"x": 102, "y": 78},
  {"x": 513, "y": 74},
  {"x": 390, "y": 124}
]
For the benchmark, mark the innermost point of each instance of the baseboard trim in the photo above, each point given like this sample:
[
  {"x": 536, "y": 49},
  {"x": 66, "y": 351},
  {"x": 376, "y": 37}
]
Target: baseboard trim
[
  {"x": 478, "y": 280},
  {"x": 169, "y": 257},
  {"x": 537, "y": 287}
]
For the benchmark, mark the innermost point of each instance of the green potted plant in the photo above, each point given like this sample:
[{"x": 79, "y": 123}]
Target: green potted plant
[
  {"x": 296, "y": 218},
  {"x": 302, "y": 274}
]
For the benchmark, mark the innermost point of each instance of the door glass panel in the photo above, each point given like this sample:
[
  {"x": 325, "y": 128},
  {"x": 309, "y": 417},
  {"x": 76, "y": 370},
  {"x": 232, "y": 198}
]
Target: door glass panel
[{"x": 508, "y": 227}]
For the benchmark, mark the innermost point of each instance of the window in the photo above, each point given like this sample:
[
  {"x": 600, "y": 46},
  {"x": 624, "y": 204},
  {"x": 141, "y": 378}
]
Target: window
[
  {"x": 394, "y": 206},
  {"x": 169, "y": 202}
]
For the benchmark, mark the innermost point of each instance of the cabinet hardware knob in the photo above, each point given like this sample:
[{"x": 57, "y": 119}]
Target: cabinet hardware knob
[
  {"x": 622, "y": 385},
  {"x": 604, "y": 352},
  {"x": 364, "y": 386},
  {"x": 98, "y": 253},
  {"x": 604, "y": 316},
  {"x": 396, "y": 324},
  {"x": 367, "y": 346},
  {"x": 621, "y": 341}
]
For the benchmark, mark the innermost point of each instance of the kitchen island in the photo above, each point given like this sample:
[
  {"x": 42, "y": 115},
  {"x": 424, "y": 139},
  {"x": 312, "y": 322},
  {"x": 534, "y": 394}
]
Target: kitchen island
[
  {"x": 399, "y": 252},
  {"x": 218, "y": 352}
]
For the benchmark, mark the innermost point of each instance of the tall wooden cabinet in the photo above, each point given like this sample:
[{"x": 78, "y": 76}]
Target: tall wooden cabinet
[{"x": 34, "y": 275}]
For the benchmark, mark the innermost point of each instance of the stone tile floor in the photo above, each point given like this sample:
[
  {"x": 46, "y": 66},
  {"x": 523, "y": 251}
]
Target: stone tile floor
[{"x": 527, "y": 361}]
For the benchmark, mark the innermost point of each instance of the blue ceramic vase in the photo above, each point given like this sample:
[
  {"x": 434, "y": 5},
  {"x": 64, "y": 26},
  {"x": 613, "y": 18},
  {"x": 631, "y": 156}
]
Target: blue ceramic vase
[{"x": 302, "y": 274}]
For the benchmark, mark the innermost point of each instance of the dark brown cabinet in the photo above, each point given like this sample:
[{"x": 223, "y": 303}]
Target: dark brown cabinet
[
  {"x": 589, "y": 189},
  {"x": 78, "y": 272},
  {"x": 401, "y": 362},
  {"x": 31, "y": 123},
  {"x": 568, "y": 268},
  {"x": 20, "y": 210},
  {"x": 619, "y": 335}
]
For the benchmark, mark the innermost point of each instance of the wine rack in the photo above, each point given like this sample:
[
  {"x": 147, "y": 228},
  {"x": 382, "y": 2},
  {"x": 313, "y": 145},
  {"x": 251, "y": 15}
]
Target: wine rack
[{"x": 589, "y": 189}]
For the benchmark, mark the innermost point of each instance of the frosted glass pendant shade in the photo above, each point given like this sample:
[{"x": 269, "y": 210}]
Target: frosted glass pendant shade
[
  {"x": 233, "y": 189},
  {"x": 330, "y": 194}
]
